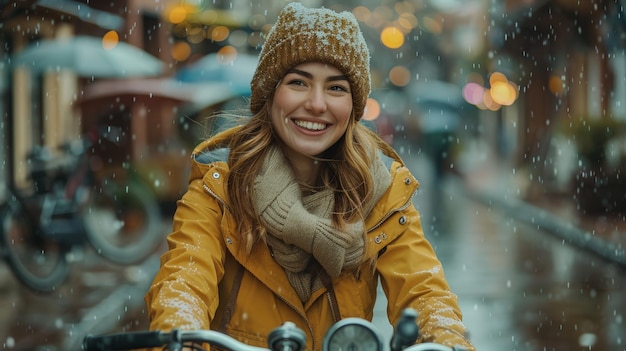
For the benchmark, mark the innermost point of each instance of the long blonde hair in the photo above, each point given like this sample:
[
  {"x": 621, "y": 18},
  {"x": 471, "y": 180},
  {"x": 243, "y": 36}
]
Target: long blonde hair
[{"x": 345, "y": 167}]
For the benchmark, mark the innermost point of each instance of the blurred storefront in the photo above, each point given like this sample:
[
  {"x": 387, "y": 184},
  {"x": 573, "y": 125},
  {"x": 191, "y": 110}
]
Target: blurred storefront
[
  {"x": 569, "y": 61},
  {"x": 49, "y": 105}
]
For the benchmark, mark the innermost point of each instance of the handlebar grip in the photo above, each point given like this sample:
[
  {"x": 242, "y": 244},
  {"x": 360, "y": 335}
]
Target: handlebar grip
[
  {"x": 125, "y": 341},
  {"x": 406, "y": 331}
]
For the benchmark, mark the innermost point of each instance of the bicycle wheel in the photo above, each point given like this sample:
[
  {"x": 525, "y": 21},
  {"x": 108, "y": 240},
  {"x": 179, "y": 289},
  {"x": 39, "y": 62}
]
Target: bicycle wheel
[
  {"x": 38, "y": 264},
  {"x": 123, "y": 221}
]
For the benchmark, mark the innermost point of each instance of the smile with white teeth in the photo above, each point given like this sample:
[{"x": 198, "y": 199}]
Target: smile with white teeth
[{"x": 311, "y": 125}]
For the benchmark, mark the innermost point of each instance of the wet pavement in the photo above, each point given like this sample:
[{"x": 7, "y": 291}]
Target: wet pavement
[
  {"x": 529, "y": 275},
  {"x": 524, "y": 289},
  {"x": 98, "y": 297},
  {"x": 520, "y": 286}
]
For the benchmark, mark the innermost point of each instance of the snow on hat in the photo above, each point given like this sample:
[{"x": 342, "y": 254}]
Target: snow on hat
[{"x": 303, "y": 35}]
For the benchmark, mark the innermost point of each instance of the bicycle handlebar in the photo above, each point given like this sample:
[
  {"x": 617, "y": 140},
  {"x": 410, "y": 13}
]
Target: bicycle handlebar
[
  {"x": 125, "y": 341},
  {"x": 156, "y": 339},
  {"x": 287, "y": 337}
]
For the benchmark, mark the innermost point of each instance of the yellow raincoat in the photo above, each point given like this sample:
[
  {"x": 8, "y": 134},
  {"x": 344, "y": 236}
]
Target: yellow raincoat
[{"x": 201, "y": 273}]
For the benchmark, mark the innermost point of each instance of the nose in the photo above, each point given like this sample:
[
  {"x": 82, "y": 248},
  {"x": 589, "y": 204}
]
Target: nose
[{"x": 316, "y": 101}]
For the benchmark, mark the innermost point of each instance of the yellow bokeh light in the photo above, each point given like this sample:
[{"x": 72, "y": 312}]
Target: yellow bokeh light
[
  {"x": 219, "y": 33},
  {"x": 110, "y": 40},
  {"x": 556, "y": 86},
  {"x": 177, "y": 14},
  {"x": 227, "y": 55},
  {"x": 503, "y": 93},
  {"x": 181, "y": 51},
  {"x": 392, "y": 37},
  {"x": 497, "y": 77}
]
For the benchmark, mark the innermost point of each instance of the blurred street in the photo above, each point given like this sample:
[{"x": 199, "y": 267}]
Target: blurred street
[
  {"x": 529, "y": 222},
  {"x": 522, "y": 284},
  {"x": 520, "y": 287}
]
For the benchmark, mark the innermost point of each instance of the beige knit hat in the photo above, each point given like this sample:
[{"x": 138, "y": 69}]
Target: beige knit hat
[{"x": 303, "y": 35}]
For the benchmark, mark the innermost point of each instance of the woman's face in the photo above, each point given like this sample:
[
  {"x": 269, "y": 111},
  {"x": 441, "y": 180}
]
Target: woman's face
[{"x": 311, "y": 109}]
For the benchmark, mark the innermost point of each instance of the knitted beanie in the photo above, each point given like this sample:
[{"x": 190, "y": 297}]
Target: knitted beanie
[{"x": 303, "y": 35}]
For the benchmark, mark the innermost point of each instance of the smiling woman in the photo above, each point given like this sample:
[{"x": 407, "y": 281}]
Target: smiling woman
[
  {"x": 310, "y": 112},
  {"x": 297, "y": 214}
]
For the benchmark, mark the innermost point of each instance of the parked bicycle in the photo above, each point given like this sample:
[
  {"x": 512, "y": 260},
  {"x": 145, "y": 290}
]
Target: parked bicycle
[
  {"x": 72, "y": 202},
  {"x": 347, "y": 334}
]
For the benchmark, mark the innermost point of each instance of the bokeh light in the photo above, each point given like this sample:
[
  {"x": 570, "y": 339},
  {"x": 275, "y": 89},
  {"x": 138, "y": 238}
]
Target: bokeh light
[
  {"x": 556, "y": 85},
  {"x": 473, "y": 93},
  {"x": 392, "y": 37},
  {"x": 407, "y": 21},
  {"x": 195, "y": 35},
  {"x": 501, "y": 91},
  {"x": 362, "y": 13},
  {"x": 218, "y": 33},
  {"x": 400, "y": 76},
  {"x": 177, "y": 14},
  {"x": 181, "y": 51},
  {"x": 489, "y": 103},
  {"x": 372, "y": 110},
  {"x": 110, "y": 40},
  {"x": 496, "y": 77},
  {"x": 227, "y": 55}
]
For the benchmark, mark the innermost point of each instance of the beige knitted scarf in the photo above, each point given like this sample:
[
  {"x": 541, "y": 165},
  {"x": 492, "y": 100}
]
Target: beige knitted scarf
[{"x": 300, "y": 230}]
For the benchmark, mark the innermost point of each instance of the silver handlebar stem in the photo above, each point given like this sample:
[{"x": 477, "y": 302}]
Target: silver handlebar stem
[{"x": 429, "y": 346}]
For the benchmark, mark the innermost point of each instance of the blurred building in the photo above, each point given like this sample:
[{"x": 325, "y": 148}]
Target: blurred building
[
  {"x": 147, "y": 118},
  {"x": 523, "y": 67},
  {"x": 568, "y": 60},
  {"x": 53, "y": 106}
]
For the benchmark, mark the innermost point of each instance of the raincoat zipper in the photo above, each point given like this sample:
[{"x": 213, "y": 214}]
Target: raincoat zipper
[
  {"x": 303, "y": 316},
  {"x": 332, "y": 306},
  {"x": 219, "y": 199}
]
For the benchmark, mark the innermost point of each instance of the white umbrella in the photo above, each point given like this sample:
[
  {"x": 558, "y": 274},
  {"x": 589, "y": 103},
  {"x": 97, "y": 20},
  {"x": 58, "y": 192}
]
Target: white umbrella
[{"x": 87, "y": 57}]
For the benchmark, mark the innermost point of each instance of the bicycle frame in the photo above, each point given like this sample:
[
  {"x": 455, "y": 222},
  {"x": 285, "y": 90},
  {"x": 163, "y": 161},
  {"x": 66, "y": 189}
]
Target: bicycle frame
[
  {"x": 59, "y": 218},
  {"x": 72, "y": 204}
]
